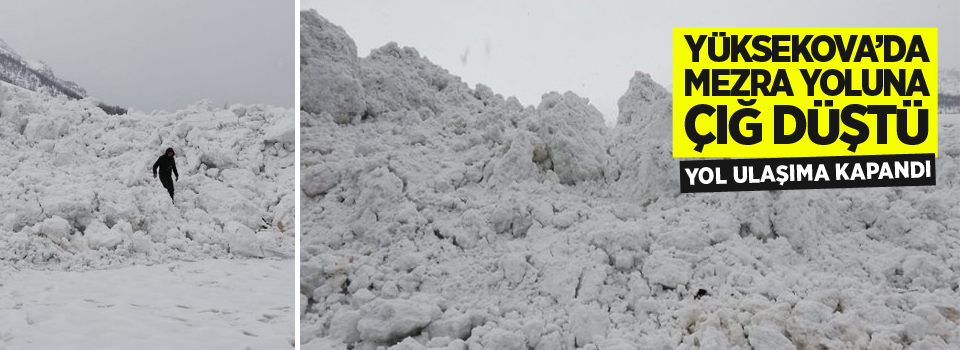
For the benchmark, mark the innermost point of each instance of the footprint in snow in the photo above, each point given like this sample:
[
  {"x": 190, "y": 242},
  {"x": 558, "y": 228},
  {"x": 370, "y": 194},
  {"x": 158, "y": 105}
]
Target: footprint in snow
[
  {"x": 177, "y": 319},
  {"x": 33, "y": 317},
  {"x": 268, "y": 318}
]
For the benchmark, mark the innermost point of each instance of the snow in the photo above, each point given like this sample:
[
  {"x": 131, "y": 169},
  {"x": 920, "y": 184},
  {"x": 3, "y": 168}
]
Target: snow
[
  {"x": 948, "y": 90},
  {"x": 420, "y": 192},
  {"x": 767, "y": 338},
  {"x": 660, "y": 268},
  {"x": 209, "y": 304},
  {"x": 93, "y": 254},
  {"x": 949, "y": 119},
  {"x": 77, "y": 190},
  {"x": 55, "y": 228},
  {"x": 948, "y": 82}
]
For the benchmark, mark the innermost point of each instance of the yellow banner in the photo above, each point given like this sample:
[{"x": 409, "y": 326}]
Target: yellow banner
[{"x": 804, "y": 92}]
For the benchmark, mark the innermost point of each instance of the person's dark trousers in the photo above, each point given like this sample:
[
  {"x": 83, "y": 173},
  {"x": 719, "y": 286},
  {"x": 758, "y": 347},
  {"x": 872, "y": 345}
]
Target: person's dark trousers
[{"x": 168, "y": 184}]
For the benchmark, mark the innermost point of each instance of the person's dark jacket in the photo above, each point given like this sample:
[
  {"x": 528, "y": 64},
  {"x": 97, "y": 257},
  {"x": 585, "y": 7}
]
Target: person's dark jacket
[{"x": 166, "y": 164}]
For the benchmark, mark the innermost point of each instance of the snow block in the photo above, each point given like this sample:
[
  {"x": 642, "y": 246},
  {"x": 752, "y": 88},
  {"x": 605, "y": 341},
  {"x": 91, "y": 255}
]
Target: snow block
[
  {"x": 283, "y": 131},
  {"x": 666, "y": 271},
  {"x": 454, "y": 327},
  {"x": 54, "y": 228},
  {"x": 343, "y": 326},
  {"x": 99, "y": 236},
  {"x": 387, "y": 321},
  {"x": 242, "y": 240}
]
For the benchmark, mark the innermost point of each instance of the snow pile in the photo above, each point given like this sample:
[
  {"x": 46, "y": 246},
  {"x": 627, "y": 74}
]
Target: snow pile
[
  {"x": 435, "y": 216},
  {"x": 76, "y": 188}
]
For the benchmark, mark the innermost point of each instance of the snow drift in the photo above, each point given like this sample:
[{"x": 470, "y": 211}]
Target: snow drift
[
  {"x": 443, "y": 217},
  {"x": 76, "y": 188}
]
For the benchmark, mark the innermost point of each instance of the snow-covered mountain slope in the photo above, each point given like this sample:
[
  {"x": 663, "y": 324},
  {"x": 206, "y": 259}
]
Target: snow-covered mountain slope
[
  {"x": 438, "y": 216},
  {"x": 34, "y": 75},
  {"x": 76, "y": 188}
]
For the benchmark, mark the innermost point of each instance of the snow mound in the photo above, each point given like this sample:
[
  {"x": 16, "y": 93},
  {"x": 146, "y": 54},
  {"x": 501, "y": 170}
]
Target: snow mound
[
  {"x": 443, "y": 217},
  {"x": 76, "y": 189},
  {"x": 329, "y": 61},
  {"x": 645, "y": 123}
]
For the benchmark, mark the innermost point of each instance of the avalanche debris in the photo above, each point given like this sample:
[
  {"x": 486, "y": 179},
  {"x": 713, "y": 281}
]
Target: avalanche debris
[
  {"x": 77, "y": 192},
  {"x": 444, "y": 217}
]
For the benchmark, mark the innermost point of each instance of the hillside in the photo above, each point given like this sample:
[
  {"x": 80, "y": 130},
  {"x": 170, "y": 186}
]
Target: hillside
[{"x": 34, "y": 75}]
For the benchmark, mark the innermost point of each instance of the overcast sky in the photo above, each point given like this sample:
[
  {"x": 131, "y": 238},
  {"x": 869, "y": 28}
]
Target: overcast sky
[
  {"x": 527, "y": 48},
  {"x": 162, "y": 54}
]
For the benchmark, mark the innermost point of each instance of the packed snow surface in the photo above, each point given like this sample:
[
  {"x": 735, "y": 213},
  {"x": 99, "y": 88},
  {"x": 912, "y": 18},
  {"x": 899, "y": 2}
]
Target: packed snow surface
[
  {"x": 436, "y": 216},
  {"x": 77, "y": 190},
  {"x": 209, "y": 304}
]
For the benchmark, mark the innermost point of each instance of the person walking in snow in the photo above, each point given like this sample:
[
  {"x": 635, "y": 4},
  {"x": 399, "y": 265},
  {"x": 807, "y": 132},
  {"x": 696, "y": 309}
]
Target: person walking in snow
[{"x": 166, "y": 163}]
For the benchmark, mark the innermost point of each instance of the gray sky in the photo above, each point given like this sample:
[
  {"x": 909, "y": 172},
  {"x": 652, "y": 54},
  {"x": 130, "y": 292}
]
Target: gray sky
[
  {"x": 527, "y": 48},
  {"x": 162, "y": 54}
]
